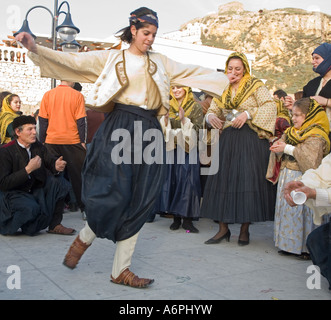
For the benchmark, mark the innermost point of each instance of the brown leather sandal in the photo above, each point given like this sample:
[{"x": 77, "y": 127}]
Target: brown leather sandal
[
  {"x": 74, "y": 253},
  {"x": 60, "y": 229},
  {"x": 128, "y": 278}
]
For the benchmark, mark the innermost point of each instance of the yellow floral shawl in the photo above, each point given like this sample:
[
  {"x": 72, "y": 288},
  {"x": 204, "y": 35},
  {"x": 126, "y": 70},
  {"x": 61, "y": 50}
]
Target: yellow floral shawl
[
  {"x": 316, "y": 124},
  {"x": 248, "y": 86},
  {"x": 7, "y": 115}
]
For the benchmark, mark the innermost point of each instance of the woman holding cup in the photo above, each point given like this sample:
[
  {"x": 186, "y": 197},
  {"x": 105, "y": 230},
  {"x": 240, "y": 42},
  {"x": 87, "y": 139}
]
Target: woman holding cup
[{"x": 302, "y": 147}]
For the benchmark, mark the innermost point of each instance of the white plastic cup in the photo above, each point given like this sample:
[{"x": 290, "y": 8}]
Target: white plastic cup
[{"x": 299, "y": 198}]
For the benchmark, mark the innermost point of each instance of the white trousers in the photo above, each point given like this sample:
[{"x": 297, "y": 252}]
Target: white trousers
[{"x": 123, "y": 253}]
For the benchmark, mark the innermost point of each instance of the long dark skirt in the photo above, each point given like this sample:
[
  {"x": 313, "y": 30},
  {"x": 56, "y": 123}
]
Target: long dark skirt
[
  {"x": 319, "y": 246},
  {"x": 181, "y": 193},
  {"x": 123, "y": 172},
  {"x": 239, "y": 192},
  {"x": 32, "y": 212}
]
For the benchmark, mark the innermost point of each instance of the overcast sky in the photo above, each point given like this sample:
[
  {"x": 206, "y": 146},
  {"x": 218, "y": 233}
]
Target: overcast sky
[{"x": 101, "y": 18}]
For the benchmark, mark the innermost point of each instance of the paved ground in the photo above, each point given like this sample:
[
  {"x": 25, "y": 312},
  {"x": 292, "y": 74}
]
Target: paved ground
[{"x": 184, "y": 268}]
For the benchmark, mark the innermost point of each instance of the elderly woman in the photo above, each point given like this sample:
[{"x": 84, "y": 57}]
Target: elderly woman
[
  {"x": 11, "y": 106},
  {"x": 120, "y": 186},
  {"x": 302, "y": 147},
  {"x": 239, "y": 192}
]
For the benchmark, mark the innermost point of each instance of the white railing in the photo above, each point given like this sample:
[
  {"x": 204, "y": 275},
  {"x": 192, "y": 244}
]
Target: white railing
[{"x": 14, "y": 55}]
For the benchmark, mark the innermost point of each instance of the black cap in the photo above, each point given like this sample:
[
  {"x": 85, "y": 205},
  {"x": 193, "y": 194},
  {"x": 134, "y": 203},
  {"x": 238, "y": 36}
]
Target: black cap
[{"x": 22, "y": 120}]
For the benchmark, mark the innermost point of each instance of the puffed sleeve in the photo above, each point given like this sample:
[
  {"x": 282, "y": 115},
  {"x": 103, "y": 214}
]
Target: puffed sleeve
[
  {"x": 215, "y": 109},
  {"x": 74, "y": 67},
  {"x": 207, "y": 80}
]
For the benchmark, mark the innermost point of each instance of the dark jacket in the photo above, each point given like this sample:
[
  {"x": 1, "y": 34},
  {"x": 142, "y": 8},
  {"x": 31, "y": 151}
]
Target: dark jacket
[
  {"x": 14, "y": 159},
  {"x": 310, "y": 89}
]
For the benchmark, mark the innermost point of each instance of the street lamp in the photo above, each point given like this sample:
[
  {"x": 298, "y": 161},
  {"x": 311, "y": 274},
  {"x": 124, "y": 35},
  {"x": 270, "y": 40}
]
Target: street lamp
[{"x": 67, "y": 30}]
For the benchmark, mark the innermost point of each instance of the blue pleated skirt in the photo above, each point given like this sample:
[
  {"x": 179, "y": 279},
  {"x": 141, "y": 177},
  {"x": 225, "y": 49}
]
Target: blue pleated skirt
[
  {"x": 119, "y": 196},
  {"x": 181, "y": 193}
]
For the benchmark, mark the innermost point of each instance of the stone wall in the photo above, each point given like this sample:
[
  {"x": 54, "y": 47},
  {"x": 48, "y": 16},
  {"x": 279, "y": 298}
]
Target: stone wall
[{"x": 20, "y": 76}]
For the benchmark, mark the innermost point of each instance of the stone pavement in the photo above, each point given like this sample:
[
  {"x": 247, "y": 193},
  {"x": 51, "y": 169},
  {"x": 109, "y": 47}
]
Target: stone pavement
[{"x": 184, "y": 268}]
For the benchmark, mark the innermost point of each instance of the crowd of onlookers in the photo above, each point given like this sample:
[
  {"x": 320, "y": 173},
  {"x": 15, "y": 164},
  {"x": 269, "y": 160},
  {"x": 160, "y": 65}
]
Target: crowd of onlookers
[{"x": 265, "y": 142}]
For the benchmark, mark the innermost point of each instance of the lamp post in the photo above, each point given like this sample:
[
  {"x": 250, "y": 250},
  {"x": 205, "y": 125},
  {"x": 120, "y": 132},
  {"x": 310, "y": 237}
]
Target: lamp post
[{"x": 67, "y": 30}]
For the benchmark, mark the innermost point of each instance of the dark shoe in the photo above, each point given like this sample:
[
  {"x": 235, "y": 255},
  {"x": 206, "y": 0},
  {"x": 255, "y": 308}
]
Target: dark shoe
[
  {"x": 176, "y": 224},
  {"x": 215, "y": 241},
  {"x": 243, "y": 242},
  {"x": 188, "y": 226},
  {"x": 128, "y": 278},
  {"x": 75, "y": 252},
  {"x": 304, "y": 256},
  {"x": 286, "y": 253}
]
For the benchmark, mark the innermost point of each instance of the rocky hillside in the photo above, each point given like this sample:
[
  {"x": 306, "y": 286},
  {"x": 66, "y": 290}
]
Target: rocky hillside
[{"x": 282, "y": 40}]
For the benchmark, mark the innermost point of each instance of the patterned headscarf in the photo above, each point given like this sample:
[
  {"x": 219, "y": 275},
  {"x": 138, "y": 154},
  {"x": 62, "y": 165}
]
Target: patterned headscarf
[
  {"x": 149, "y": 18},
  {"x": 316, "y": 124}
]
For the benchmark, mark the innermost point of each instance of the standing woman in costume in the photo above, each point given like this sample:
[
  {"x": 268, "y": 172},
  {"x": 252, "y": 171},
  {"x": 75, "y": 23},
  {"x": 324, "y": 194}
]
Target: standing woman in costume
[
  {"x": 302, "y": 147},
  {"x": 11, "y": 106},
  {"x": 239, "y": 192},
  {"x": 181, "y": 193},
  {"x": 120, "y": 186}
]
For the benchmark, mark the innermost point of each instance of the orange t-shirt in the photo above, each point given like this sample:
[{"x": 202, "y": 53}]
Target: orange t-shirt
[{"x": 62, "y": 106}]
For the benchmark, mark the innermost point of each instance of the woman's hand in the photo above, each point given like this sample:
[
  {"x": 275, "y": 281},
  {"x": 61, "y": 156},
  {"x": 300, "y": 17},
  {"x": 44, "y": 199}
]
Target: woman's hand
[
  {"x": 288, "y": 103},
  {"x": 166, "y": 119},
  {"x": 215, "y": 122},
  {"x": 320, "y": 100},
  {"x": 278, "y": 147},
  {"x": 27, "y": 41},
  {"x": 239, "y": 121},
  {"x": 182, "y": 115}
]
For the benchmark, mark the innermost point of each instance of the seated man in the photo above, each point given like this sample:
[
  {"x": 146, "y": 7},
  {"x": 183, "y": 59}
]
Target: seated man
[
  {"x": 316, "y": 184},
  {"x": 31, "y": 191}
]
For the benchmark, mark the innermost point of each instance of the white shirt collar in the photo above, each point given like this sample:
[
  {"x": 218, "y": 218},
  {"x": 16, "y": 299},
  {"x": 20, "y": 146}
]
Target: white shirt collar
[{"x": 27, "y": 149}]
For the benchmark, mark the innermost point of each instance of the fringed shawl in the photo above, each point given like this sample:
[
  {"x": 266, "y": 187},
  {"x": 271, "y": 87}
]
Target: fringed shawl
[{"x": 187, "y": 104}]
